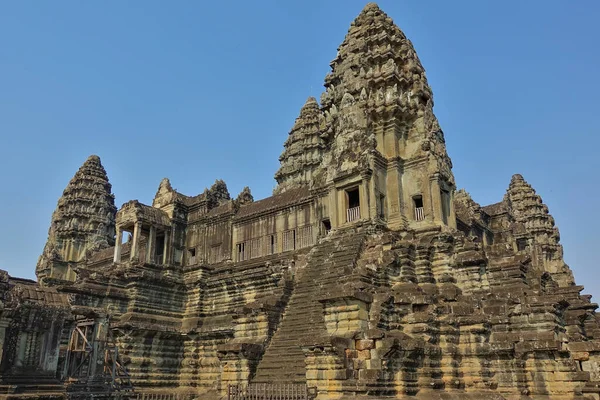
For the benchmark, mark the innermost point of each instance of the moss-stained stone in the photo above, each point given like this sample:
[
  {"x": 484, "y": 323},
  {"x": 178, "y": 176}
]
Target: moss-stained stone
[{"x": 365, "y": 275}]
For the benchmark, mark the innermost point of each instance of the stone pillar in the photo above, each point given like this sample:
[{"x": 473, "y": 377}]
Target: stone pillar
[
  {"x": 452, "y": 216},
  {"x": 3, "y": 325},
  {"x": 332, "y": 198},
  {"x": 151, "y": 245},
  {"x": 167, "y": 247},
  {"x": 372, "y": 197},
  {"x": 363, "y": 198},
  {"x": 117, "y": 256},
  {"x": 395, "y": 197},
  {"x": 137, "y": 231},
  {"x": 436, "y": 198}
]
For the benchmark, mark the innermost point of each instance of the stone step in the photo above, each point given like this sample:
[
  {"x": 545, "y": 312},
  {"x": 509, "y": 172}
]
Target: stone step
[{"x": 328, "y": 262}]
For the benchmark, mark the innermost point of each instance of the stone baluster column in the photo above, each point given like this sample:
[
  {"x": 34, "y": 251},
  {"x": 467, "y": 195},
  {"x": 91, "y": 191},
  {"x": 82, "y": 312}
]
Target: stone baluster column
[
  {"x": 117, "y": 254},
  {"x": 4, "y": 323},
  {"x": 137, "y": 231},
  {"x": 436, "y": 198},
  {"x": 167, "y": 247},
  {"x": 151, "y": 245}
]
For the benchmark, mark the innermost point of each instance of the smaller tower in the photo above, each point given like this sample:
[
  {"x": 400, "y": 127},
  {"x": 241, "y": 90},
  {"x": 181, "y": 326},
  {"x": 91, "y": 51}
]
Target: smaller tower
[
  {"x": 84, "y": 220},
  {"x": 301, "y": 159},
  {"x": 534, "y": 231}
]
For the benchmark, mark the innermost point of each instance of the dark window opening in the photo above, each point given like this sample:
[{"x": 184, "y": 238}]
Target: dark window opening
[
  {"x": 191, "y": 256},
  {"x": 490, "y": 238},
  {"x": 326, "y": 225},
  {"x": 521, "y": 244},
  {"x": 294, "y": 232},
  {"x": 446, "y": 206},
  {"x": 419, "y": 210},
  {"x": 272, "y": 244},
  {"x": 160, "y": 249},
  {"x": 381, "y": 206},
  {"x": 353, "y": 198},
  {"x": 478, "y": 233},
  {"x": 240, "y": 251},
  {"x": 353, "y": 208},
  {"x": 420, "y": 307}
]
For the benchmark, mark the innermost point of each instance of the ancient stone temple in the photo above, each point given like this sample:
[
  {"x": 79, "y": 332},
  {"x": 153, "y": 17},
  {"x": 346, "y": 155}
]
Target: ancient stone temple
[{"x": 367, "y": 274}]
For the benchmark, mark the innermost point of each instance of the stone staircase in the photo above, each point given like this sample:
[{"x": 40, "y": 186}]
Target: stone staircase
[{"x": 330, "y": 264}]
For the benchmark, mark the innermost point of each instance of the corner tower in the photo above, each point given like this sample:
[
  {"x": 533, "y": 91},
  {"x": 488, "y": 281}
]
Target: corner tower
[
  {"x": 535, "y": 232},
  {"x": 84, "y": 220}
]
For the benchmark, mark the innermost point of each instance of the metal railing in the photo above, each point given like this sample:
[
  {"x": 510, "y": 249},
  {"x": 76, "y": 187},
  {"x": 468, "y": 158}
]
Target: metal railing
[
  {"x": 268, "y": 391},
  {"x": 353, "y": 214},
  {"x": 419, "y": 214}
]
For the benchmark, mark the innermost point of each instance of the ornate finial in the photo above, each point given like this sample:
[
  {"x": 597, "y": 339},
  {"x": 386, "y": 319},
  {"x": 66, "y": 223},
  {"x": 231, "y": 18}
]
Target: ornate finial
[
  {"x": 165, "y": 185},
  {"x": 371, "y": 7},
  {"x": 245, "y": 196},
  {"x": 517, "y": 178},
  {"x": 217, "y": 193}
]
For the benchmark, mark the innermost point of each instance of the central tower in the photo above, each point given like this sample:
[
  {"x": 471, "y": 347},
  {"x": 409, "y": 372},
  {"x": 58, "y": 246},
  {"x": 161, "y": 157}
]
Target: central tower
[{"x": 375, "y": 145}]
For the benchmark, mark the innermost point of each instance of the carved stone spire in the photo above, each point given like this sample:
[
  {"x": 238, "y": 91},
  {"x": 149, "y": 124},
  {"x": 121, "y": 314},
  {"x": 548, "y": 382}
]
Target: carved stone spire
[
  {"x": 244, "y": 197},
  {"x": 84, "y": 220},
  {"x": 303, "y": 151},
  {"x": 217, "y": 193},
  {"x": 377, "y": 82},
  {"x": 534, "y": 227}
]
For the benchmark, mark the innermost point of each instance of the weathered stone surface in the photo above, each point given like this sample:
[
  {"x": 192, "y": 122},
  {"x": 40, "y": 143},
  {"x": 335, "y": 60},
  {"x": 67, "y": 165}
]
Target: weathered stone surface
[
  {"x": 83, "y": 222},
  {"x": 365, "y": 275}
]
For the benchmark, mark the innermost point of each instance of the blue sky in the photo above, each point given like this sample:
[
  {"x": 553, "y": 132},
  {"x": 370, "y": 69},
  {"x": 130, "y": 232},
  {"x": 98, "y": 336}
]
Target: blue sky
[{"x": 196, "y": 91}]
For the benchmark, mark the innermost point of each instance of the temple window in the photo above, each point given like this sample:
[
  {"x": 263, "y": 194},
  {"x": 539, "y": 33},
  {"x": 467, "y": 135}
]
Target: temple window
[
  {"x": 305, "y": 237},
  {"x": 289, "y": 240},
  {"x": 271, "y": 244},
  {"x": 326, "y": 223},
  {"x": 419, "y": 210},
  {"x": 353, "y": 205},
  {"x": 445, "y": 205},
  {"x": 241, "y": 249},
  {"x": 478, "y": 233},
  {"x": 255, "y": 250},
  {"x": 521, "y": 244},
  {"x": 159, "y": 249},
  {"x": 381, "y": 206},
  {"x": 32, "y": 349},
  {"x": 489, "y": 236},
  {"x": 191, "y": 256}
]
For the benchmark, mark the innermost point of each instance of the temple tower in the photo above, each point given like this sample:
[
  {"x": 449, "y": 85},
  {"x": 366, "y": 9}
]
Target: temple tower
[
  {"x": 535, "y": 232},
  {"x": 84, "y": 221},
  {"x": 301, "y": 159},
  {"x": 383, "y": 152}
]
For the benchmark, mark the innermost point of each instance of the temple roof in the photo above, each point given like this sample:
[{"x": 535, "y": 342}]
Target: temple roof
[
  {"x": 271, "y": 203},
  {"x": 135, "y": 211}
]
